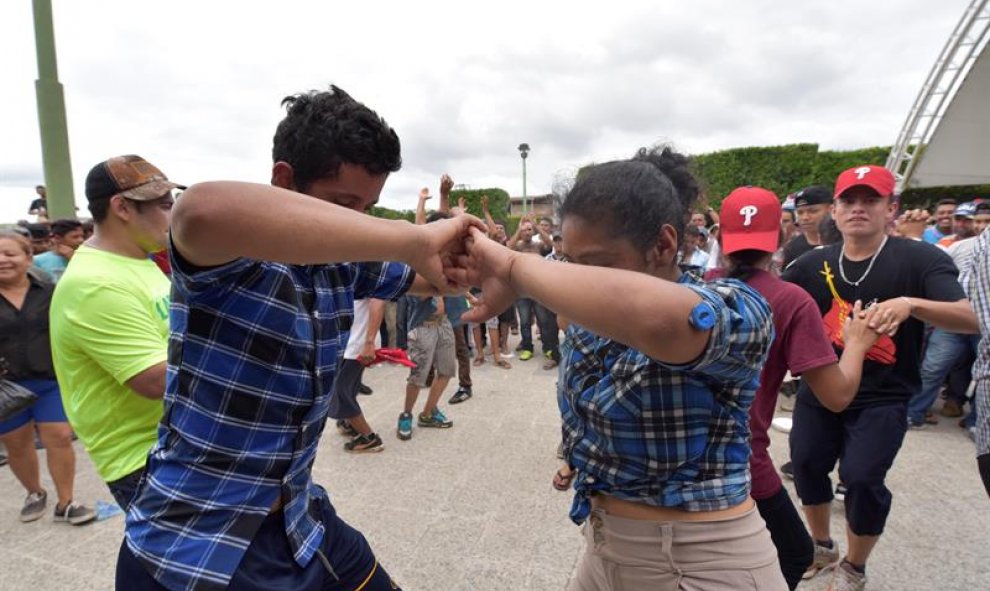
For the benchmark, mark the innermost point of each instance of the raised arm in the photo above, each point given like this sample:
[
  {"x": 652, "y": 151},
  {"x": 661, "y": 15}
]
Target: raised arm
[
  {"x": 587, "y": 296},
  {"x": 446, "y": 184},
  {"x": 216, "y": 222},
  {"x": 489, "y": 221},
  {"x": 424, "y": 196}
]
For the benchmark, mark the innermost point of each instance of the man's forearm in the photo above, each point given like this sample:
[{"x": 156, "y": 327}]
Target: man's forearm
[
  {"x": 376, "y": 312},
  {"x": 217, "y": 222},
  {"x": 957, "y": 317}
]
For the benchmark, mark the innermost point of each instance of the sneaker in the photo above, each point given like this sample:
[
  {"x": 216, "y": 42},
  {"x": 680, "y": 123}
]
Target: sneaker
[
  {"x": 345, "y": 428},
  {"x": 369, "y": 443},
  {"x": 840, "y": 492},
  {"x": 550, "y": 363},
  {"x": 75, "y": 514},
  {"x": 825, "y": 559},
  {"x": 915, "y": 426},
  {"x": 404, "y": 430},
  {"x": 437, "y": 420},
  {"x": 788, "y": 470},
  {"x": 461, "y": 395},
  {"x": 845, "y": 578},
  {"x": 3, "y": 459},
  {"x": 366, "y": 390},
  {"x": 525, "y": 355},
  {"x": 507, "y": 354},
  {"x": 34, "y": 506}
]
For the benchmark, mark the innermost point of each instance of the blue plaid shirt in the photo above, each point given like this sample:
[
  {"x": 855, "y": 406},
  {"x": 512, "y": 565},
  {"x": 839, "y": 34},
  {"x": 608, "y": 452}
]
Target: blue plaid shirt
[
  {"x": 253, "y": 353},
  {"x": 666, "y": 435}
]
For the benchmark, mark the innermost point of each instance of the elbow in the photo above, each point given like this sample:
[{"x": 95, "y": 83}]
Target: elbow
[{"x": 194, "y": 211}]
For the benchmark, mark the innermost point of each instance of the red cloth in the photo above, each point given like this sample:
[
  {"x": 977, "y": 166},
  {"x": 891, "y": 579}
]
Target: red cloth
[
  {"x": 392, "y": 356},
  {"x": 800, "y": 344}
]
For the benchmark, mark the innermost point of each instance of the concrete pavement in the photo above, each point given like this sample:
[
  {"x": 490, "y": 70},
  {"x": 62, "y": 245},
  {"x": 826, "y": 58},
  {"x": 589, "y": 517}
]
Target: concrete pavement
[{"x": 472, "y": 508}]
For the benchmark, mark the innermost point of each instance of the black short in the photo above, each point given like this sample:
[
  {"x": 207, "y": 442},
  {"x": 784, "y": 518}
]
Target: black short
[
  {"x": 864, "y": 441},
  {"x": 343, "y": 401}
]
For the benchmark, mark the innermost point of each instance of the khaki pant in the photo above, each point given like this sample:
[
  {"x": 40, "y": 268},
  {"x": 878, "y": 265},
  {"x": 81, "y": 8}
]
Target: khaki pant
[{"x": 735, "y": 554}]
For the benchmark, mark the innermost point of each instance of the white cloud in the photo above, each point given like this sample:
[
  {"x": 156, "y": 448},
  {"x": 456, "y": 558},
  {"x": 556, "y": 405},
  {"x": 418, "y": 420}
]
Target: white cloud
[{"x": 195, "y": 86}]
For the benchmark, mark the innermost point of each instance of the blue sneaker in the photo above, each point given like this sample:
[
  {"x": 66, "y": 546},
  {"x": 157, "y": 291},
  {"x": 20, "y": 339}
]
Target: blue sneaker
[
  {"x": 404, "y": 430},
  {"x": 437, "y": 420}
]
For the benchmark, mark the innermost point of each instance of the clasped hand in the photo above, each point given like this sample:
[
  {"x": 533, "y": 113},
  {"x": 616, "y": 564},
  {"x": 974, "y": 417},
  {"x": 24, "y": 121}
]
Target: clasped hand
[{"x": 455, "y": 254}]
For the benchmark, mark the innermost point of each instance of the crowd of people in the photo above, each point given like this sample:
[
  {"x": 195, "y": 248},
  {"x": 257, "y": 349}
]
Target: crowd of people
[{"x": 200, "y": 381}]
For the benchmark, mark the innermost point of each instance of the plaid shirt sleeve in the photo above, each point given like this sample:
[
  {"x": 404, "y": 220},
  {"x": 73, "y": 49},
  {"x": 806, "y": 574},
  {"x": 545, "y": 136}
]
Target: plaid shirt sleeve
[
  {"x": 741, "y": 335},
  {"x": 383, "y": 281},
  {"x": 979, "y": 293}
]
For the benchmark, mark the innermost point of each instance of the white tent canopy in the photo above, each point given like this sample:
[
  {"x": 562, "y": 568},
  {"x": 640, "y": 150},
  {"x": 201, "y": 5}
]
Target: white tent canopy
[{"x": 959, "y": 150}]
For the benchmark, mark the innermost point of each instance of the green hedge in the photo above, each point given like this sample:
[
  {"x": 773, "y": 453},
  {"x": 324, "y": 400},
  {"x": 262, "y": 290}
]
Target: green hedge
[{"x": 782, "y": 169}]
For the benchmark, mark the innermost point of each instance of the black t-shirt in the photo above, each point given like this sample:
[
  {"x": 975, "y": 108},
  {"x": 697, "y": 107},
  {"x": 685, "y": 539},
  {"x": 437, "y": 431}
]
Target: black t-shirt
[
  {"x": 37, "y": 204},
  {"x": 796, "y": 247},
  {"x": 891, "y": 372}
]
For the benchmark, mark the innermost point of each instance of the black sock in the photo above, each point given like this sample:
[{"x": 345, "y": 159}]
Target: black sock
[
  {"x": 859, "y": 568},
  {"x": 827, "y": 543}
]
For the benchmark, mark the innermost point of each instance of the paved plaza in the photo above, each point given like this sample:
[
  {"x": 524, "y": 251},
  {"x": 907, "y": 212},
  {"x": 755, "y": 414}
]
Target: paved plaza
[{"x": 472, "y": 508}]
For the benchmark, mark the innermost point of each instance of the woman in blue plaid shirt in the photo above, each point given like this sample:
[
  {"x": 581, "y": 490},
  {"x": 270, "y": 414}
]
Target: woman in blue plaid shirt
[{"x": 658, "y": 372}]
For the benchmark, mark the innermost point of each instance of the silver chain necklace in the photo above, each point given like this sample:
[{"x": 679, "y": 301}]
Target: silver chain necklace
[{"x": 873, "y": 259}]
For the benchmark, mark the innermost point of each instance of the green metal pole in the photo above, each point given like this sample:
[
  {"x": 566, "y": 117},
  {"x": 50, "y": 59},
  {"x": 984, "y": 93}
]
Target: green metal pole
[{"x": 51, "y": 118}]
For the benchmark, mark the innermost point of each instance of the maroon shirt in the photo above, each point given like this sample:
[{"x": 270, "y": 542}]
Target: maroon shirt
[{"x": 801, "y": 344}]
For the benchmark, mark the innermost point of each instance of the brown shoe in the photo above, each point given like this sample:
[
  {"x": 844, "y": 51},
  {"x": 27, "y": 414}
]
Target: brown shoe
[{"x": 951, "y": 409}]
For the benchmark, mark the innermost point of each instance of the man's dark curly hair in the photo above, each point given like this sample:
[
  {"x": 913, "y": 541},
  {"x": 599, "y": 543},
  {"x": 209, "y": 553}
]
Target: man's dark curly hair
[{"x": 324, "y": 129}]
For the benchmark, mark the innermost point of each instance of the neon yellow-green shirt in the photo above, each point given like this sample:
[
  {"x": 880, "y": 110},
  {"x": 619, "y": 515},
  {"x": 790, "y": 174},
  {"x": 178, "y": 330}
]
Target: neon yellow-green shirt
[{"x": 109, "y": 322}]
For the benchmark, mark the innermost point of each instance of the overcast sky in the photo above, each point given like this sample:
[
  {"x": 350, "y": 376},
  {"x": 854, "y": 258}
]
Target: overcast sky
[{"x": 195, "y": 87}]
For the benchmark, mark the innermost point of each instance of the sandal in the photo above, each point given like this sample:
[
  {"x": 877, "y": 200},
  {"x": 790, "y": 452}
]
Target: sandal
[
  {"x": 479, "y": 361},
  {"x": 503, "y": 364},
  {"x": 562, "y": 481}
]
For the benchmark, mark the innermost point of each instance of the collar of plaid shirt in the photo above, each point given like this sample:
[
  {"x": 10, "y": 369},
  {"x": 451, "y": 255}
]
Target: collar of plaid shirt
[
  {"x": 669, "y": 436},
  {"x": 252, "y": 358}
]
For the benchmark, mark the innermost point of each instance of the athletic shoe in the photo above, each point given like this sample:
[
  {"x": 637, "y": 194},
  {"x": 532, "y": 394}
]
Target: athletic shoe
[
  {"x": 508, "y": 355},
  {"x": 845, "y": 578},
  {"x": 437, "y": 420},
  {"x": 461, "y": 395},
  {"x": 788, "y": 470},
  {"x": 365, "y": 444},
  {"x": 404, "y": 430},
  {"x": 840, "y": 492},
  {"x": 525, "y": 355},
  {"x": 3, "y": 459},
  {"x": 913, "y": 426},
  {"x": 74, "y": 514},
  {"x": 345, "y": 428},
  {"x": 550, "y": 363},
  {"x": 363, "y": 389},
  {"x": 34, "y": 506},
  {"x": 825, "y": 559}
]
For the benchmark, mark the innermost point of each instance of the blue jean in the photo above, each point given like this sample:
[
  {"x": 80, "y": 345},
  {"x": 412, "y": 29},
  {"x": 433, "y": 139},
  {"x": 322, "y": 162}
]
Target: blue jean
[
  {"x": 943, "y": 352},
  {"x": 344, "y": 562},
  {"x": 526, "y": 307}
]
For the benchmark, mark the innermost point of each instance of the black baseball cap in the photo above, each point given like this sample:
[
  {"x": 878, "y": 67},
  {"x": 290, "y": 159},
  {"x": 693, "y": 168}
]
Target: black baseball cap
[{"x": 815, "y": 195}]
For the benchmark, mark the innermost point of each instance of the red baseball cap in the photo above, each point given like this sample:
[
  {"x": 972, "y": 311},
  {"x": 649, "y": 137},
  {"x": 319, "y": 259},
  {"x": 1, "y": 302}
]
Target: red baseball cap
[
  {"x": 749, "y": 219},
  {"x": 877, "y": 178}
]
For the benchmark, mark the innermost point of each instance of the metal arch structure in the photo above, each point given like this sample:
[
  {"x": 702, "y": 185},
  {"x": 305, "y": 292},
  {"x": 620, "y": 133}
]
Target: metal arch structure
[{"x": 945, "y": 140}]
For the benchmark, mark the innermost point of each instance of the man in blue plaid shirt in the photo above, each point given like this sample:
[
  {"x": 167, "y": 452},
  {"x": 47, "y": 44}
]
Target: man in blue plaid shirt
[{"x": 261, "y": 311}]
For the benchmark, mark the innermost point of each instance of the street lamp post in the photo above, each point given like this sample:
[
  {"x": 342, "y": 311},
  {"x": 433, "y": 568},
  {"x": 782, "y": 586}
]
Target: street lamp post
[{"x": 524, "y": 152}]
